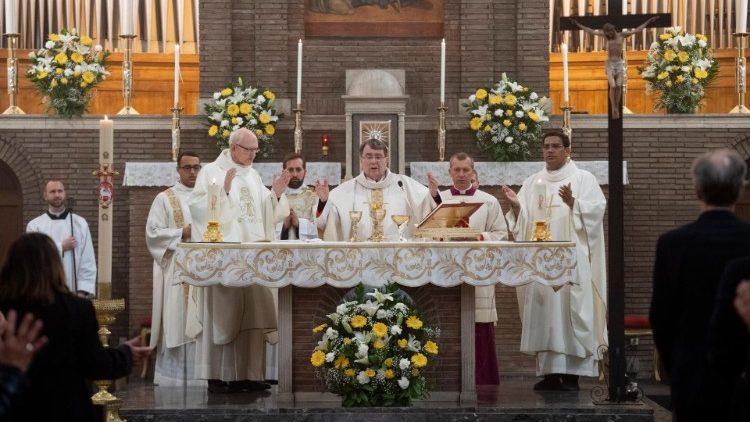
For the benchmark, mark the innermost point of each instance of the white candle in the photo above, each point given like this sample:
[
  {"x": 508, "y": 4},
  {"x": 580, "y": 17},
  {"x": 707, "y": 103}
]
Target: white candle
[
  {"x": 299, "y": 73},
  {"x": 566, "y": 95},
  {"x": 176, "y": 75},
  {"x": 126, "y": 20},
  {"x": 540, "y": 195},
  {"x": 11, "y": 20},
  {"x": 213, "y": 201},
  {"x": 624, "y": 7},
  {"x": 741, "y": 16},
  {"x": 106, "y": 135},
  {"x": 442, "y": 72}
]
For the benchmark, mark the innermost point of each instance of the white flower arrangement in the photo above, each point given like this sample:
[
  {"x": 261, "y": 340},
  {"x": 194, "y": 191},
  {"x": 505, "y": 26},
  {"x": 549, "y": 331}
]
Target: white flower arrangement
[
  {"x": 240, "y": 105},
  {"x": 507, "y": 119}
]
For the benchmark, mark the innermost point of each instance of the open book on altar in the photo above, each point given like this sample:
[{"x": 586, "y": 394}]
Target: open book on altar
[{"x": 450, "y": 221}]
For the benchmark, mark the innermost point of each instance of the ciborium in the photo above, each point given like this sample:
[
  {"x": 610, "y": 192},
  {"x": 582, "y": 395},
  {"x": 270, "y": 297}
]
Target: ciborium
[
  {"x": 354, "y": 216},
  {"x": 378, "y": 216}
]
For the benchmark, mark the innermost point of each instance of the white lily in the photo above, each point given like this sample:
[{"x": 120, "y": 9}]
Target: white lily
[
  {"x": 403, "y": 382},
  {"x": 381, "y": 297},
  {"x": 362, "y": 377},
  {"x": 369, "y": 307}
]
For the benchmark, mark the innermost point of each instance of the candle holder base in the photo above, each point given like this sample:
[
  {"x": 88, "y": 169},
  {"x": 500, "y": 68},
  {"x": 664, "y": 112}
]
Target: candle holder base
[
  {"x": 739, "y": 109},
  {"x": 127, "y": 110},
  {"x": 13, "y": 110},
  {"x": 541, "y": 231},
  {"x": 441, "y": 131},
  {"x": 298, "y": 128},
  {"x": 106, "y": 310},
  {"x": 213, "y": 234}
]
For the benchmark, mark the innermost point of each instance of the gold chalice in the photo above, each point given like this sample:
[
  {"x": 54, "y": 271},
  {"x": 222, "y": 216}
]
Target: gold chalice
[
  {"x": 400, "y": 220},
  {"x": 354, "y": 216}
]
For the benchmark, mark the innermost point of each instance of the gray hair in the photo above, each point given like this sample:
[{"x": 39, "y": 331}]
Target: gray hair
[
  {"x": 240, "y": 134},
  {"x": 718, "y": 177}
]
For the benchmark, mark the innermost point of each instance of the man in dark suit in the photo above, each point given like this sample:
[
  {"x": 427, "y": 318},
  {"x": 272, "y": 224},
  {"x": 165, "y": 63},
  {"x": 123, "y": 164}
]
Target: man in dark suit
[{"x": 689, "y": 263}]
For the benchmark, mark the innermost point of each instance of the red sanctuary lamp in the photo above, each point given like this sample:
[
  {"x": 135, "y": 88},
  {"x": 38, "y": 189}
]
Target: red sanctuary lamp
[{"x": 324, "y": 145}]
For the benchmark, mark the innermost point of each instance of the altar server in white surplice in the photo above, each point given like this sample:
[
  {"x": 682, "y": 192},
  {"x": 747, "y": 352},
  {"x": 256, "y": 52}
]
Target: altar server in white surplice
[
  {"x": 234, "y": 321},
  {"x": 564, "y": 328},
  {"x": 168, "y": 223},
  {"x": 400, "y": 194},
  {"x": 302, "y": 204},
  {"x": 490, "y": 220},
  {"x": 70, "y": 233}
]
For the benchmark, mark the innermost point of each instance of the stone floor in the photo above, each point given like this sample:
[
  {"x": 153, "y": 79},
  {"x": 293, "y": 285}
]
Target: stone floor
[{"x": 513, "y": 400}]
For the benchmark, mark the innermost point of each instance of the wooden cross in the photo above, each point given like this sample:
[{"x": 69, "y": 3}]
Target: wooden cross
[{"x": 616, "y": 260}]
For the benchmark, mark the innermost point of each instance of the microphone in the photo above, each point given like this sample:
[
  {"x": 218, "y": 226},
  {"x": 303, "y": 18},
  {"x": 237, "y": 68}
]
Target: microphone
[{"x": 408, "y": 203}]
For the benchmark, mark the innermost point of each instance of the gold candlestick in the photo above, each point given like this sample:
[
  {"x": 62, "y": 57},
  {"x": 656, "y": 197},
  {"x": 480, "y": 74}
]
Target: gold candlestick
[
  {"x": 566, "y": 127},
  {"x": 175, "y": 132},
  {"x": 298, "y": 128},
  {"x": 106, "y": 309},
  {"x": 541, "y": 231},
  {"x": 213, "y": 234},
  {"x": 441, "y": 131},
  {"x": 12, "y": 61},
  {"x": 354, "y": 216},
  {"x": 127, "y": 75},
  {"x": 741, "y": 76}
]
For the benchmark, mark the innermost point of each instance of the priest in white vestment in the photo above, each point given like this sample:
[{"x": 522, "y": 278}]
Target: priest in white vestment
[
  {"x": 168, "y": 223},
  {"x": 400, "y": 195},
  {"x": 234, "y": 322},
  {"x": 302, "y": 204},
  {"x": 563, "y": 328},
  {"x": 70, "y": 232},
  {"x": 490, "y": 220}
]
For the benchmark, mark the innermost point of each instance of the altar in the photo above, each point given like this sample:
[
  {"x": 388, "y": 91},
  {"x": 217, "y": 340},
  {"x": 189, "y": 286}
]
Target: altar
[{"x": 312, "y": 277}]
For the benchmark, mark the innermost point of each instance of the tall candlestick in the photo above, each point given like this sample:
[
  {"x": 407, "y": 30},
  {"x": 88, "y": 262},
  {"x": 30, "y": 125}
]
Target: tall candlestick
[
  {"x": 176, "y": 75},
  {"x": 11, "y": 18},
  {"x": 104, "y": 270},
  {"x": 741, "y": 16},
  {"x": 126, "y": 20},
  {"x": 213, "y": 201},
  {"x": 299, "y": 73},
  {"x": 106, "y": 135},
  {"x": 442, "y": 72},
  {"x": 566, "y": 95}
]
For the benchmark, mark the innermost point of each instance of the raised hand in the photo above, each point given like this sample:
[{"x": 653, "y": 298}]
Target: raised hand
[
  {"x": 18, "y": 346},
  {"x": 511, "y": 196},
  {"x": 280, "y": 182},
  {"x": 432, "y": 184},
  {"x": 228, "y": 178},
  {"x": 322, "y": 189},
  {"x": 566, "y": 193}
]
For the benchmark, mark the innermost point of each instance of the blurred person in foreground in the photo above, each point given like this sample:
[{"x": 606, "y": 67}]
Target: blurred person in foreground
[
  {"x": 32, "y": 280},
  {"x": 19, "y": 343}
]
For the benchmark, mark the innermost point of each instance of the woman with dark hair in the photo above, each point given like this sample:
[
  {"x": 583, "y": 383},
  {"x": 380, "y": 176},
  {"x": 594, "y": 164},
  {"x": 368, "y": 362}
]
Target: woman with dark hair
[{"x": 32, "y": 280}]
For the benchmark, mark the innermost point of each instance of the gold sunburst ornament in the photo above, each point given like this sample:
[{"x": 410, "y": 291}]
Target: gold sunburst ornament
[{"x": 380, "y": 130}]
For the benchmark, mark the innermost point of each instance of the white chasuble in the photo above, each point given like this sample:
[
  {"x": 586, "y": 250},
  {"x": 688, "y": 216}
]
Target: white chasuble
[
  {"x": 79, "y": 263},
  {"x": 234, "y": 321},
  {"x": 408, "y": 197},
  {"x": 490, "y": 220},
  {"x": 175, "y": 352},
  {"x": 565, "y": 328},
  {"x": 304, "y": 202}
]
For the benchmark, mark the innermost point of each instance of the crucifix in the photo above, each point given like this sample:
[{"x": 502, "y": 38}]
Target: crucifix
[{"x": 615, "y": 258}]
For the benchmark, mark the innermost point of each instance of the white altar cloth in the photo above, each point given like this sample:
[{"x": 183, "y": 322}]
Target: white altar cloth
[{"x": 345, "y": 264}]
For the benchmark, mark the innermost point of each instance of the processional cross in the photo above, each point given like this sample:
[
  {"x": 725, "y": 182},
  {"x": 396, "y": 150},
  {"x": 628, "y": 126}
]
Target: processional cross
[{"x": 616, "y": 261}]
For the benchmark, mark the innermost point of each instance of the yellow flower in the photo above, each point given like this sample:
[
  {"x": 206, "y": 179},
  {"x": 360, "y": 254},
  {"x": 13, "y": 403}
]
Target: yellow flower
[
  {"x": 86, "y": 40},
  {"x": 380, "y": 329},
  {"x": 481, "y": 94},
  {"x": 84, "y": 84},
  {"x": 701, "y": 37},
  {"x": 225, "y": 133},
  {"x": 320, "y": 327},
  {"x": 370, "y": 372},
  {"x": 402, "y": 342},
  {"x": 388, "y": 362},
  {"x": 347, "y": 340},
  {"x": 665, "y": 36},
  {"x": 268, "y": 94},
  {"x": 533, "y": 116},
  {"x": 507, "y": 123},
  {"x": 213, "y": 130},
  {"x": 419, "y": 360},
  {"x": 349, "y": 372},
  {"x": 258, "y": 132},
  {"x": 318, "y": 358},
  {"x": 668, "y": 83},
  {"x": 358, "y": 321},
  {"x": 54, "y": 37},
  {"x": 389, "y": 374},
  {"x": 264, "y": 117},
  {"x": 700, "y": 73},
  {"x": 378, "y": 344},
  {"x": 669, "y": 55},
  {"x": 683, "y": 56},
  {"x": 475, "y": 123},
  {"x": 59, "y": 71},
  {"x": 488, "y": 128},
  {"x": 53, "y": 84},
  {"x": 680, "y": 78},
  {"x": 488, "y": 116},
  {"x": 431, "y": 347},
  {"x": 510, "y": 99},
  {"x": 508, "y": 113},
  {"x": 226, "y": 92},
  {"x": 245, "y": 108},
  {"x": 695, "y": 80},
  {"x": 496, "y": 99},
  {"x": 61, "y": 58},
  {"x": 64, "y": 81},
  {"x": 76, "y": 57},
  {"x": 88, "y": 76},
  {"x": 270, "y": 130},
  {"x": 341, "y": 362},
  {"x": 662, "y": 76},
  {"x": 76, "y": 73},
  {"x": 522, "y": 127},
  {"x": 233, "y": 109},
  {"x": 234, "y": 122},
  {"x": 414, "y": 322},
  {"x": 414, "y": 372}
]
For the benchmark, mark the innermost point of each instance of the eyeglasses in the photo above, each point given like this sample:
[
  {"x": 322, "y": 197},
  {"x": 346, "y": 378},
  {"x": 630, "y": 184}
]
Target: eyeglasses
[
  {"x": 248, "y": 149},
  {"x": 373, "y": 157},
  {"x": 195, "y": 168}
]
